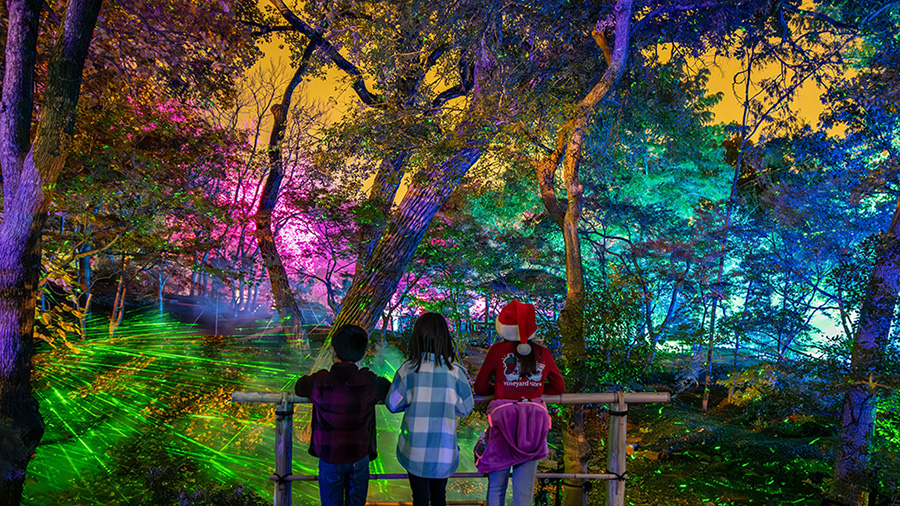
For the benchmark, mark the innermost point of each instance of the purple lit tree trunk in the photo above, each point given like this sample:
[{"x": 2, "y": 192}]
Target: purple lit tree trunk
[
  {"x": 569, "y": 148},
  {"x": 285, "y": 303},
  {"x": 872, "y": 336},
  {"x": 30, "y": 170}
]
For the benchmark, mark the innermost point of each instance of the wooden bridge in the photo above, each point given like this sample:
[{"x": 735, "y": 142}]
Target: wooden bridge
[{"x": 615, "y": 474}]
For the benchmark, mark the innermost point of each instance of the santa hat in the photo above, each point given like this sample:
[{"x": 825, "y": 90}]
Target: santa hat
[{"x": 516, "y": 323}]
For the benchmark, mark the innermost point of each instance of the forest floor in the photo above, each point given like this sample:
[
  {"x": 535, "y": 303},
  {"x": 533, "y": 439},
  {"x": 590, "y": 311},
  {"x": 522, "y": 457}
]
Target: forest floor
[
  {"x": 677, "y": 455},
  {"x": 680, "y": 456}
]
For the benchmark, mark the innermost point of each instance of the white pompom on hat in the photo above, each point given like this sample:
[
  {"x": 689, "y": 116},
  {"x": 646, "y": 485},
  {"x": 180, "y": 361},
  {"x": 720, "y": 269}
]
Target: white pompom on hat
[{"x": 516, "y": 322}]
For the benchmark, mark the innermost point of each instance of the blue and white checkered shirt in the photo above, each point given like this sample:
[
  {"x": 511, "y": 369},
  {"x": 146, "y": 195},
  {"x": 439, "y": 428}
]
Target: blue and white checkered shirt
[{"x": 432, "y": 399}]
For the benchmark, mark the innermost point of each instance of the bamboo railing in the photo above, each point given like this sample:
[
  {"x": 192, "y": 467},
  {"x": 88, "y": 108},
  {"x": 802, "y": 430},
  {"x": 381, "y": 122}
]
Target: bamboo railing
[{"x": 284, "y": 412}]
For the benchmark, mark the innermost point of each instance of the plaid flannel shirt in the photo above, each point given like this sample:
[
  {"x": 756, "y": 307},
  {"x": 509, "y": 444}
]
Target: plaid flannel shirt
[
  {"x": 432, "y": 399},
  {"x": 343, "y": 422}
]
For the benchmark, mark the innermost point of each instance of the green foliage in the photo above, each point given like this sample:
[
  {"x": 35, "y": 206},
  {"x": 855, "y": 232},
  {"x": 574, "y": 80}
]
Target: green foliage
[
  {"x": 788, "y": 400},
  {"x": 169, "y": 486},
  {"x": 885, "y": 452},
  {"x": 615, "y": 349}
]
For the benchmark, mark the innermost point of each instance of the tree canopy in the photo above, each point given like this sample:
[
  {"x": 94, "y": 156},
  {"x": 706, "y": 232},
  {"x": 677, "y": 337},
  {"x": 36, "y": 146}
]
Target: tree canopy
[{"x": 571, "y": 142}]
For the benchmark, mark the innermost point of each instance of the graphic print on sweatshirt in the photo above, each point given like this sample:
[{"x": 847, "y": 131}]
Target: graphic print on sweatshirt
[{"x": 512, "y": 373}]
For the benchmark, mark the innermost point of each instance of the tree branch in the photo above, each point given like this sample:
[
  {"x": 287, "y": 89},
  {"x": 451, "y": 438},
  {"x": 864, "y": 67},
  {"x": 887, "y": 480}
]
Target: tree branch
[
  {"x": 72, "y": 256},
  {"x": 342, "y": 63},
  {"x": 262, "y": 29},
  {"x": 670, "y": 9},
  {"x": 821, "y": 17}
]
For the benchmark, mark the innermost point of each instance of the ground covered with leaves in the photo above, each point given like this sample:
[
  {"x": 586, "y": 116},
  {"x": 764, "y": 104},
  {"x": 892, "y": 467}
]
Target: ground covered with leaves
[{"x": 678, "y": 456}]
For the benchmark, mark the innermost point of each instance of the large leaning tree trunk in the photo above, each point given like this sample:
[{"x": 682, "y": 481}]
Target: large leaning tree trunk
[
  {"x": 380, "y": 200},
  {"x": 872, "y": 336},
  {"x": 569, "y": 147},
  {"x": 374, "y": 285},
  {"x": 285, "y": 302},
  {"x": 30, "y": 170},
  {"x": 387, "y": 249}
]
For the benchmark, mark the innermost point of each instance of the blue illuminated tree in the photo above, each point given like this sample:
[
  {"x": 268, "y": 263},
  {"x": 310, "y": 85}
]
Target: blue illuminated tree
[{"x": 867, "y": 107}]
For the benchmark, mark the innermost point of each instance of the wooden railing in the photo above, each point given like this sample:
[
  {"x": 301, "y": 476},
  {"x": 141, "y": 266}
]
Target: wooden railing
[{"x": 615, "y": 474}]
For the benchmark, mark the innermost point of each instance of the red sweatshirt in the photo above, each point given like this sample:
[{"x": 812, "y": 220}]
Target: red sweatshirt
[{"x": 499, "y": 374}]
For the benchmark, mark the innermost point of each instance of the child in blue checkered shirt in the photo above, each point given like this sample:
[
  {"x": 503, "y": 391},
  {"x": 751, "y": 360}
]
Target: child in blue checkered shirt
[{"x": 432, "y": 390}]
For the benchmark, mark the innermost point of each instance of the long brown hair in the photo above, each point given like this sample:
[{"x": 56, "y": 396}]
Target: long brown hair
[
  {"x": 527, "y": 363},
  {"x": 431, "y": 335}
]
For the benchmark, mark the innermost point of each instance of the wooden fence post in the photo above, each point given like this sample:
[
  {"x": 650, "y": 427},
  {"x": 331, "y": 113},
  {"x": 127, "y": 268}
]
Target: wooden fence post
[
  {"x": 284, "y": 449},
  {"x": 618, "y": 419}
]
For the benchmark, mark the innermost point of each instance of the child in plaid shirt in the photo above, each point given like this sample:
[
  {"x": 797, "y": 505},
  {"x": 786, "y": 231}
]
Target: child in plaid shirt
[
  {"x": 433, "y": 391},
  {"x": 343, "y": 424}
]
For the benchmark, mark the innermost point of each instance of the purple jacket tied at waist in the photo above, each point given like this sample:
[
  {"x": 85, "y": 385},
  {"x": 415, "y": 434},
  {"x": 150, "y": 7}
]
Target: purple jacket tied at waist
[{"x": 517, "y": 433}]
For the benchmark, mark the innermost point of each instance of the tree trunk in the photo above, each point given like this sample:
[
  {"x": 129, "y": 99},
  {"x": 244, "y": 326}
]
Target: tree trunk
[
  {"x": 118, "y": 308},
  {"x": 374, "y": 285},
  {"x": 710, "y": 346},
  {"x": 30, "y": 171},
  {"x": 161, "y": 281},
  {"x": 285, "y": 303},
  {"x": 82, "y": 301},
  {"x": 851, "y": 477},
  {"x": 570, "y": 144},
  {"x": 381, "y": 198},
  {"x": 20, "y": 253}
]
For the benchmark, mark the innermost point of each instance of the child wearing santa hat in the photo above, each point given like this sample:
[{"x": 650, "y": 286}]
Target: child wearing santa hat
[{"x": 516, "y": 371}]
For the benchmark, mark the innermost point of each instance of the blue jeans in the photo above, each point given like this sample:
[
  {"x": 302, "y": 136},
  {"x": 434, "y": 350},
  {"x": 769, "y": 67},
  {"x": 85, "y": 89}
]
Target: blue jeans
[
  {"x": 522, "y": 481},
  {"x": 344, "y": 484}
]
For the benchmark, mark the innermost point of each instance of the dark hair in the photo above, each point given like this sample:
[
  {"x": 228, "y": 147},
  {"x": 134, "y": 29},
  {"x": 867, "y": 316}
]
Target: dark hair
[
  {"x": 527, "y": 363},
  {"x": 350, "y": 342},
  {"x": 431, "y": 335}
]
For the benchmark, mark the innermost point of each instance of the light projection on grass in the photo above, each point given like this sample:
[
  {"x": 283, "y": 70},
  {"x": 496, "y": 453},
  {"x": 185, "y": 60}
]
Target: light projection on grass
[{"x": 150, "y": 412}]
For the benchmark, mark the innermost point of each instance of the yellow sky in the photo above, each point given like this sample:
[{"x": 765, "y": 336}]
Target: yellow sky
[
  {"x": 730, "y": 109},
  {"x": 336, "y": 96}
]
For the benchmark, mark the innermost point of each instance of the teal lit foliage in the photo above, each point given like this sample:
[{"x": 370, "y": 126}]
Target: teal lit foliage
[
  {"x": 663, "y": 149},
  {"x": 616, "y": 350}
]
